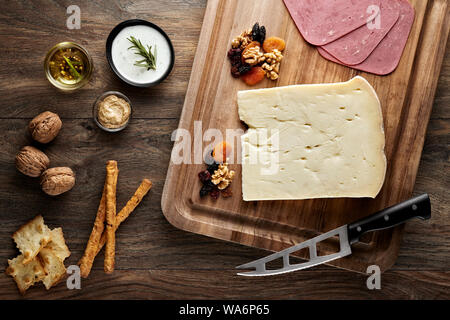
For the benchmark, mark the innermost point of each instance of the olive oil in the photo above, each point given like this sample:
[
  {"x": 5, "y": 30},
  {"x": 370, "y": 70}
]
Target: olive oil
[{"x": 68, "y": 66}]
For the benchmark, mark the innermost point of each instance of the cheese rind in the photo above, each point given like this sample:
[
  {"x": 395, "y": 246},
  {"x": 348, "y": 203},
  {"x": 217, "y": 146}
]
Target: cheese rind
[{"x": 312, "y": 141}]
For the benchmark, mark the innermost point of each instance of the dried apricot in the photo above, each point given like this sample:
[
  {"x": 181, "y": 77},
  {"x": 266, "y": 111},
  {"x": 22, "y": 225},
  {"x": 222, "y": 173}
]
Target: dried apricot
[
  {"x": 273, "y": 43},
  {"x": 221, "y": 151},
  {"x": 254, "y": 76}
]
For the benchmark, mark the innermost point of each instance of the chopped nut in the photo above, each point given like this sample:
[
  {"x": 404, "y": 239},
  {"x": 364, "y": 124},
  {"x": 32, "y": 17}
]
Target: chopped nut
[
  {"x": 273, "y": 75},
  {"x": 272, "y": 64},
  {"x": 242, "y": 40},
  {"x": 235, "y": 43},
  {"x": 267, "y": 66},
  {"x": 222, "y": 177},
  {"x": 253, "y": 55},
  {"x": 276, "y": 67}
]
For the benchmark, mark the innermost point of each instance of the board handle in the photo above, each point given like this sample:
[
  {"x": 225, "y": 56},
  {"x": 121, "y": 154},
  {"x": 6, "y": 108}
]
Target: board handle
[{"x": 418, "y": 207}]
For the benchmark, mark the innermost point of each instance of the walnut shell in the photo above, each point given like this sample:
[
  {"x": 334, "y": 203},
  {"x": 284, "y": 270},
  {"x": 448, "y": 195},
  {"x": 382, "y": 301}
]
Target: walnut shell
[
  {"x": 55, "y": 181},
  {"x": 31, "y": 161},
  {"x": 45, "y": 127}
]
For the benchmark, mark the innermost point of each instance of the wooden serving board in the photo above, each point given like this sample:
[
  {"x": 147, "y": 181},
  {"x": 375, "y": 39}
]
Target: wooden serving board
[{"x": 406, "y": 96}]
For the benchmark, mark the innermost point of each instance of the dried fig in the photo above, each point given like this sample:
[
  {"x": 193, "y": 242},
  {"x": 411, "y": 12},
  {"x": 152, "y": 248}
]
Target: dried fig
[
  {"x": 55, "y": 181},
  {"x": 45, "y": 127},
  {"x": 31, "y": 161}
]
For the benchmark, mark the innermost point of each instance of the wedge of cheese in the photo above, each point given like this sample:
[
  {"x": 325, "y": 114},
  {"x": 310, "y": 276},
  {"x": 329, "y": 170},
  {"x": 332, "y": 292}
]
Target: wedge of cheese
[{"x": 312, "y": 141}]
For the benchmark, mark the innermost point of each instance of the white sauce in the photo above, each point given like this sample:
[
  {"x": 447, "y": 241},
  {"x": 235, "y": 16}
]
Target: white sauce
[{"x": 124, "y": 59}]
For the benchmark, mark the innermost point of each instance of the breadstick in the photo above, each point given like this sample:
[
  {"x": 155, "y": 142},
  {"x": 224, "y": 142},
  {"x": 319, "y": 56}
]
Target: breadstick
[
  {"x": 92, "y": 246},
  {"x": 91, "y": 250},
  {"x": 134, "y": 201},
  {"x": 111, "y": 185}
]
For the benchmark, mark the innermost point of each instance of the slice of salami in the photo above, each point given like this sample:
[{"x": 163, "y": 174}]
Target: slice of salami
[
  {"x": 356, "y": 46},
  {"x": 386, "y": 56},
  {"x": 323, "y": 21}
]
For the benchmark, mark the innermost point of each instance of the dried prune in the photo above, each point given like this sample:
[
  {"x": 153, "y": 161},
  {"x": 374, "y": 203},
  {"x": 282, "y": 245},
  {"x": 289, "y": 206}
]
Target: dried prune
[
  {"x": 262, "y": 34},
  {"x": 255, "y": 31},
  {"x": 213, "y": 167},
  {"x": 244, "y": 68},
  {"x": 235, "y": 72},
  {"x": 234, "y": 52},
  {"x": 234, "y": 55},
  {"x": 206, "y": 188},
  {"x": 258, "y": 33},
  {"x": 215, "y": 193},
  {"x": 226, "y": 193},
  {"x": 204, "y": 176}
]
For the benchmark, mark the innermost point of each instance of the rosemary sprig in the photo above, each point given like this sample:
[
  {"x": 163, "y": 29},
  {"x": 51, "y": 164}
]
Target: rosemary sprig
[
  {"x": 149, "y": 60},
  {"x": 73, "y": 71}
]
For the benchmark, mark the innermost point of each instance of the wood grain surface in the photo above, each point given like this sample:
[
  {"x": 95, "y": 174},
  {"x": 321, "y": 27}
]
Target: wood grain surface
[
  {"x": 406, "y": 97},
  {"x": 154, "y": 259}
]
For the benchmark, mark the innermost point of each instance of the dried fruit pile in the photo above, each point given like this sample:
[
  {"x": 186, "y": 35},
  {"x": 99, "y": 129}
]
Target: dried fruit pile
[
  {"x": 254, "y": 57},
  {"x": 217, "y": 177}
]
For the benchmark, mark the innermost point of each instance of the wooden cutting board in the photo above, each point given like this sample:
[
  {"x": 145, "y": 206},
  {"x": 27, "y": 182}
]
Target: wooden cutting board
[{"x": 406, "y": 96}]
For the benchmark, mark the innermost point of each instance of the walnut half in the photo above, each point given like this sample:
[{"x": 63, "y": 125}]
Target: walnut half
[
  {"x": 222, "y": 177},
  {"x": 55, "y": 181},
  {"x": 253, "y": 55},
  {"x": 31, "y": 161}
]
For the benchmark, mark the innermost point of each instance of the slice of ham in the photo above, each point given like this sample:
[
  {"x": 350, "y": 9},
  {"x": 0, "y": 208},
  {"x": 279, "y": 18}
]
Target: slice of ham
[
  {"x": 323, "y": 21},
  {"x": 356, "y": 46},
  {"x": 386, "y": 56}
]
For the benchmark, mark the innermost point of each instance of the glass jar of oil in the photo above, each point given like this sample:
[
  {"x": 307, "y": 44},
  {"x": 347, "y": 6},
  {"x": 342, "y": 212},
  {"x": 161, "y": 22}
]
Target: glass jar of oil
[{"x": 68, "y": 66}]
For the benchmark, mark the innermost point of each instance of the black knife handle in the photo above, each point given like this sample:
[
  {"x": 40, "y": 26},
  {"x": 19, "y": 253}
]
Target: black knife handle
[{"x": 419, "y": 207}]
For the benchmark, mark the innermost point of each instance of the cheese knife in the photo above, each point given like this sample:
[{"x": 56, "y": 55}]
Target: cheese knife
[{"x": 418, "y": 207}]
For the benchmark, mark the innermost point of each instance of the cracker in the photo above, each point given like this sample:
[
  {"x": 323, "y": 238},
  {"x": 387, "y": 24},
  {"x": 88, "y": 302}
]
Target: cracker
[
  {"x": 58, "y": 244},
  {"x": 53, "y": 266},
  {"x": 25, "y": 275},
  {"x": 31, "y": 238}
]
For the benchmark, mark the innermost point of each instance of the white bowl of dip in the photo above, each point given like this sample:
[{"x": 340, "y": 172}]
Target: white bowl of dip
[{"x": 122, "y": 59}]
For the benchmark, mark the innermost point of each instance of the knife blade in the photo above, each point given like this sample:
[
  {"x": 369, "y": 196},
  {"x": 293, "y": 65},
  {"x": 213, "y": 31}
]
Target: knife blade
[{"x": 418, "y": 207}]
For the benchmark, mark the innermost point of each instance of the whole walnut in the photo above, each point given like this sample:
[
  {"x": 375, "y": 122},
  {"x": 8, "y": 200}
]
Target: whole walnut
[
  {"x": 55, "y": 181},
  {"x": 45, "y": 127},
  {"x": 31, "y": 161}
]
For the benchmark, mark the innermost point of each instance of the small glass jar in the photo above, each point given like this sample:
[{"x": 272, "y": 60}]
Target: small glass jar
[
  {"x": 95, "y": 108},
  {"x": 71, "y": 75}
]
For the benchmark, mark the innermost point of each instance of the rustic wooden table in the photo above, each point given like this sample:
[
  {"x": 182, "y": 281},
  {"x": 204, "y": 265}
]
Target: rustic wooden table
[{"x": 155, "y": 260}]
